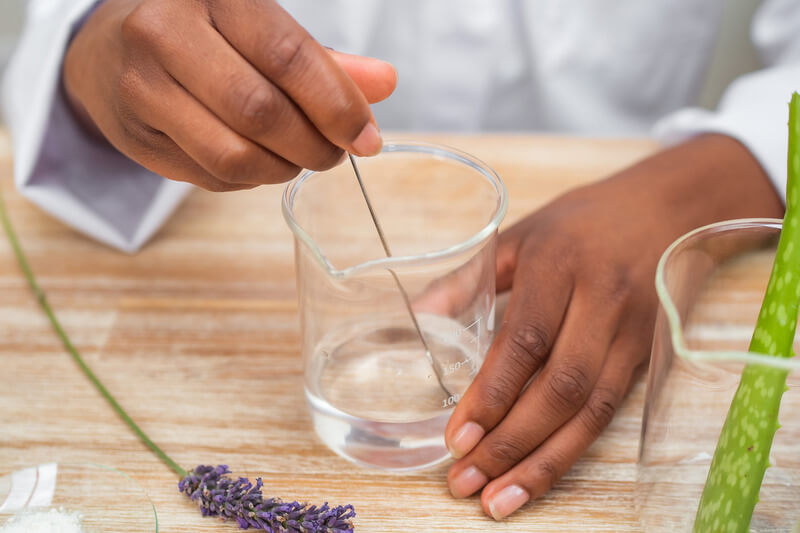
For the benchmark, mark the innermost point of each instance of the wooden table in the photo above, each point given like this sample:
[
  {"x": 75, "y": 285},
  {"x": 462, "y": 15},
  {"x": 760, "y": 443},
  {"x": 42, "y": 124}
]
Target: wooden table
[{"x": 197, "y": 335}]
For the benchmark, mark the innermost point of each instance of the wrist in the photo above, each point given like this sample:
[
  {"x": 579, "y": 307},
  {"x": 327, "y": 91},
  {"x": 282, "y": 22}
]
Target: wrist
[
  {"x": 706, "y": 179},
  {"x": 728, "y": 181}
]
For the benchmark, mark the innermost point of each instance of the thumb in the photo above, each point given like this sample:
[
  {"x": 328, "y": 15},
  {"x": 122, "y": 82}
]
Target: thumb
[{"x": 376, "y": 79}]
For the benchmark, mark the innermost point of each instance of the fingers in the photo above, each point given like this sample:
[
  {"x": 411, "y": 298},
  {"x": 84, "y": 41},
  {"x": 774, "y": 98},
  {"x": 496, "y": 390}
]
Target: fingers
[
  {"x": 222, "y": 152},
  {"x": 538, "y": 472},
  {"x": 554, "y": 396},
  {"x": 226, "y": 160},
  {"x": 556, "y": 393},
  {"x": 292, "y": 60},
  {"x": 536, "y": 308},
  {"x": 247, "y": 102},
  {"x": 158, "y": 153},
  {"x": 260, "y": 97}
]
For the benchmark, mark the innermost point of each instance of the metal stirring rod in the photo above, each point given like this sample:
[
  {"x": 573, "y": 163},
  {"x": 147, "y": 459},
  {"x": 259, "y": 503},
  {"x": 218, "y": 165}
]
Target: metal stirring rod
[{"x": 397, "y": 279}]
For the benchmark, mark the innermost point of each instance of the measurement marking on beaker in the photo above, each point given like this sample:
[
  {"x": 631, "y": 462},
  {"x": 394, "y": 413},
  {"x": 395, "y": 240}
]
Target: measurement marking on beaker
[
  {"x": 451, "y": 400},
  {"x": 468, "y": 338},
  {"x": 476, "y": 334},
  {"x": 452, "y": 368},
  {"x": 473, "y": 330}
]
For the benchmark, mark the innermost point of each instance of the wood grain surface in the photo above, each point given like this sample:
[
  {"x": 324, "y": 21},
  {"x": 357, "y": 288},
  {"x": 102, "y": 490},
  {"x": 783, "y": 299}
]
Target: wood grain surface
[{"x": 197, "y": 336}]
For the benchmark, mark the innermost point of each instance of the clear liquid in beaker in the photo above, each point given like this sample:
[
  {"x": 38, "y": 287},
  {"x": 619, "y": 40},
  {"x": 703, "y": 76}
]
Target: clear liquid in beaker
[{"x": 376, "y": 399}]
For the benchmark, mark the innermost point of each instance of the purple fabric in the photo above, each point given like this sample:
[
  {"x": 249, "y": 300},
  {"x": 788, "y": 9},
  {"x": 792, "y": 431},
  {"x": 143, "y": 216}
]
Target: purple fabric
[{"x": 107, "y": 183}]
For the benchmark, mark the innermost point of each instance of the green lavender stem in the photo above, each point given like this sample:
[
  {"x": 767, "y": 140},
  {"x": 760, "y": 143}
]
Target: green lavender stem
[
  {"x": 76, "y": 356},
  {"x": 742, "y": 454}
]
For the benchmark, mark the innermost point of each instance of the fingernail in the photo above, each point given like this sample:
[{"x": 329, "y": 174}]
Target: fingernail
[
  {"x": 465, "y": 439},
  {"x": 368, "y": 142},
  {"x": 467, "y": 482},
  {"x": 507, "y": 501}
]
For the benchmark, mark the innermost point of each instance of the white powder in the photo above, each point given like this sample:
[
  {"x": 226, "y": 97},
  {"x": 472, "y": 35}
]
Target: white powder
[{"x": 52, "y": 521}]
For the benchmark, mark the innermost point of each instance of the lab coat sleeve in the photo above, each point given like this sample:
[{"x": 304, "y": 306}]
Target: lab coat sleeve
[
  {"x": 754, "y": 108},
  {"x": 83, "y": 182}
]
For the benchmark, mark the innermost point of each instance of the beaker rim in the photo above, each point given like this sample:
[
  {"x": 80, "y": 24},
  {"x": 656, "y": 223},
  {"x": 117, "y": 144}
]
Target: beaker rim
[
  {"x": 673, "y": 316},
  {"x": 419, "y": 147}
]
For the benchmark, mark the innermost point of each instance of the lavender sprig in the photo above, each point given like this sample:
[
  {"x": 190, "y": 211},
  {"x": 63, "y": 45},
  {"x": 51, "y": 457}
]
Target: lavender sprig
[{"x": 220, "y": 495}]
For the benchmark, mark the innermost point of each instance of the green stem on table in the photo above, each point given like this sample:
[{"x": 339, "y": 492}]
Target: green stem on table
[
  {"x": 42, "y": 299},
  {"x": 742, "y": 454}
]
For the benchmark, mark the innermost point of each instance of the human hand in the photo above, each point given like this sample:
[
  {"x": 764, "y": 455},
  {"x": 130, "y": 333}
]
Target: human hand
[
  {"x": 225, "y": 95},
  {"x": 580, "y": 317}
]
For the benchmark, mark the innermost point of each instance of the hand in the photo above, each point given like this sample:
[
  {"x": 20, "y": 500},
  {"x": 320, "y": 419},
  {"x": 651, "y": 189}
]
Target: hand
[
  {"x": 580, "y": 318},
  {"x": 225, "y": 95}
]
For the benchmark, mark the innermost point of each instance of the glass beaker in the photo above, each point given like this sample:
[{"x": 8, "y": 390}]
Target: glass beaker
[
  {"x": 374, "y": 395},
  {"x": 710, "y": 285}
]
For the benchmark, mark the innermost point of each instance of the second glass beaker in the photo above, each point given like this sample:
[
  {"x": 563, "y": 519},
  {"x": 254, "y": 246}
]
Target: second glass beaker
[
  {"x": 374, "y": 394},
  {"x": 710, "y": 284}
]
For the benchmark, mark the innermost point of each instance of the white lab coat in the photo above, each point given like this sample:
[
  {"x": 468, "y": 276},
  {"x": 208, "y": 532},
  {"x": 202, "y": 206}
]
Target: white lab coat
[{"x": 589, "y": 67}]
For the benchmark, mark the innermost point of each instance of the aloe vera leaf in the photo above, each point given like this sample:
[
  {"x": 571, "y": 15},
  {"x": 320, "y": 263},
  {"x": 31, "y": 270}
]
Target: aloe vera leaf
[{"x": 742, "y": 454}]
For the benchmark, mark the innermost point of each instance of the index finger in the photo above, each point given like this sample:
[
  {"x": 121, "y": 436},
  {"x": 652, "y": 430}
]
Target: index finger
[{"x": 285, "y": 53}]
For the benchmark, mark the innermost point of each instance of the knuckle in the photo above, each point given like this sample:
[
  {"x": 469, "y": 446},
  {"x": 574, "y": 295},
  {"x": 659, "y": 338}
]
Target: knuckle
[
  {"x": 143, "y": 25},
  {"x": 559, "y": 247},
  {"x": 498, "y": 394},
  {"x": 615, "y": 284},
  {"x": 288, "y": 57},
  {"x": 131, "y": 98},
  {"x": 241, "y": 164},
  {"x": 547, "y": 469},
  {"x": 130, "y": 85},
  {"x": 529, "y": 345},
  {"x": 508, "y": 450},
  {"x": 136, "y": 141},
  {"x": 601, "y": 408},
  {"x": 147, "y": 141},
  {"x": 568, "y": 386},
  {"x": 257, "y": 106},
  {"x": 232, "y": 162},
  {"x": 350, "y": 114},
  {"x": 287, "y": 54}
]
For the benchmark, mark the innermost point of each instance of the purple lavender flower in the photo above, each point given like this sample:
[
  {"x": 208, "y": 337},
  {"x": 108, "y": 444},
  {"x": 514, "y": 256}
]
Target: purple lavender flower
[{"x": 240, "y": 500}]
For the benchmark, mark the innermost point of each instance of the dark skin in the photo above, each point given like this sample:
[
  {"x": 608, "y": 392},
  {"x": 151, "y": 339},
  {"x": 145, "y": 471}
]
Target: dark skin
[
  {"x": 233, "y": 95},
  {"x": 582, "y": 311}
]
